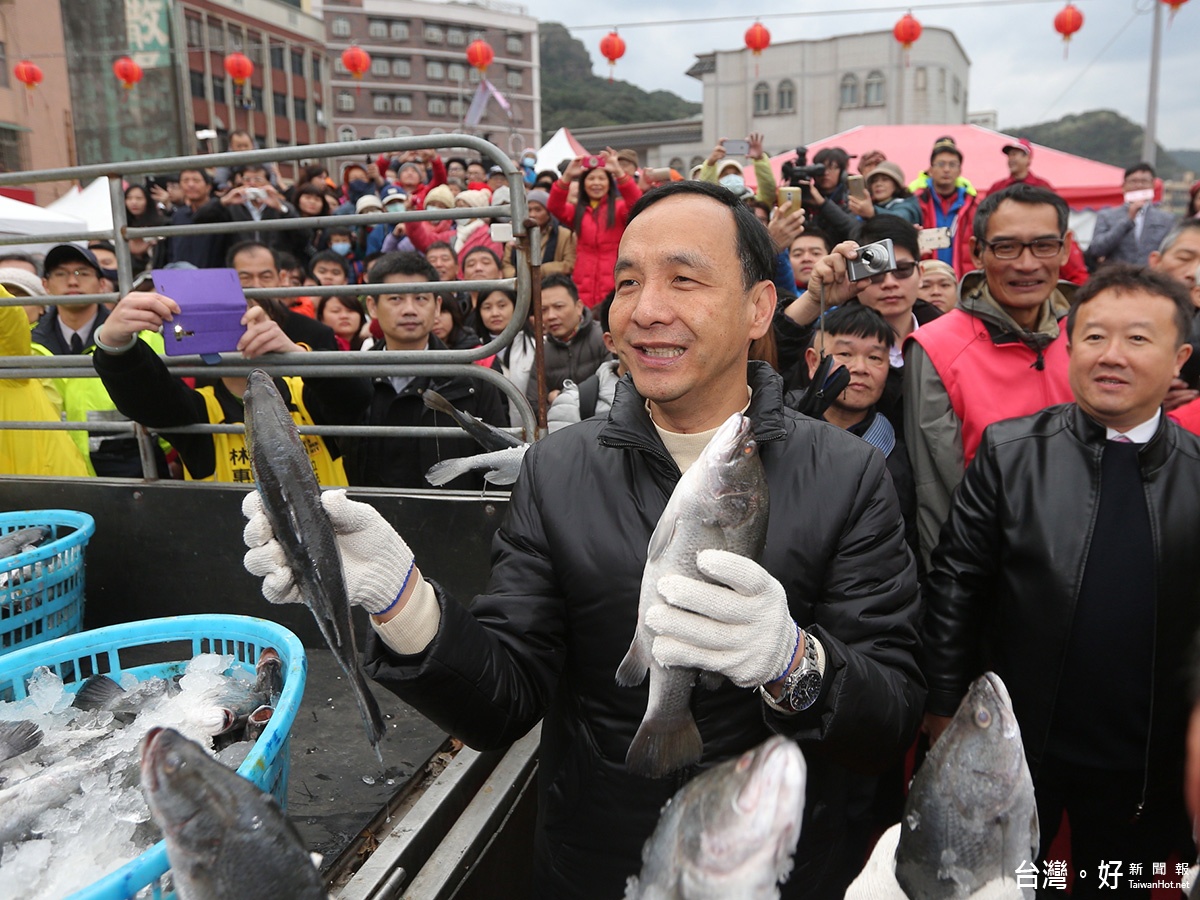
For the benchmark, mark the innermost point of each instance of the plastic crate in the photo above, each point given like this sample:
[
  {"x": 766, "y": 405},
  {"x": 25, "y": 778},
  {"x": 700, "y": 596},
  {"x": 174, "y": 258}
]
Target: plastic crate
[
  {"x": 100, "y": 651},
  {"x": 41, "y": 590}
]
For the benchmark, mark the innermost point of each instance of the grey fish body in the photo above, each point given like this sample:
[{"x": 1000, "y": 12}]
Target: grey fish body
[
  {"x": 25, "y": 800},
  {"x": 503, "y": 466},
  {"x": 720, "y": 503},
  {"x": 291, "y": 500},
  {"x": 728, "y": 834},
  {"x": 970, "y": 816},
  {"x": 225, "y": 837},
  {"x": 487, "y": 436},
  {"x": 21, "y": 540}
]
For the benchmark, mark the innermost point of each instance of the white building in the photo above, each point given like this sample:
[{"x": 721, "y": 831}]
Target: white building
[{"x": 801, "y": 91}]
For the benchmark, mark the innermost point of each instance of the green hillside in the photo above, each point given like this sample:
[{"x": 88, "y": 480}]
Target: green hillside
[{"x": 1100, "y": 134}]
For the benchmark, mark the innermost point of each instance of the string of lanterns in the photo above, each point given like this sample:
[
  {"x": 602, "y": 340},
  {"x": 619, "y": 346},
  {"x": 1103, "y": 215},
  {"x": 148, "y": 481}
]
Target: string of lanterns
[{"x": 479, "y": 54}]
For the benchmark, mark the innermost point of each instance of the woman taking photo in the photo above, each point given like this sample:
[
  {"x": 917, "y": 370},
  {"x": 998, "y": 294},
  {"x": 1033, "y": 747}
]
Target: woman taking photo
[
  {"x": 606, "y": 194},
  {"x": 888, "y": 195}
]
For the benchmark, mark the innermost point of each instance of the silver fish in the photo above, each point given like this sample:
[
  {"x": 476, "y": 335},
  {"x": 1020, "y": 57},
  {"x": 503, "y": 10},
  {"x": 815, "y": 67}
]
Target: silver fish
[
  {"x": 720, "y": 503},
  {"x": 503, "y": 466},
  {"x": 970, "y": 816},
  {"x": 17, "y": 738},
  {"x": 21, "y": 540},
  {"x": 487, "y": 436},
  {"x": 225, "y": 837},
  {"x": 729, "y": 833},
  {"x": 291, "y": 500},
  {"x": 23, "y": 801}
]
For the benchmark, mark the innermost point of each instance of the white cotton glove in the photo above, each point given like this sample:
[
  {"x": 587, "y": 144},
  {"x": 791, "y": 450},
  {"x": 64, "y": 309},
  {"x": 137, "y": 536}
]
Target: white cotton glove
[
  {"x": 877, "y": 880},
  {"x": 739, "y": 626},
  {"x": 376, "y": 561}
]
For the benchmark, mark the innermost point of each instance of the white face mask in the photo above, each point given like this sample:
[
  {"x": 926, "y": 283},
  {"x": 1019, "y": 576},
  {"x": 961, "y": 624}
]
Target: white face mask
[
  {"x": 340, "y": 247},
  {"x": 735, "y": 183}
]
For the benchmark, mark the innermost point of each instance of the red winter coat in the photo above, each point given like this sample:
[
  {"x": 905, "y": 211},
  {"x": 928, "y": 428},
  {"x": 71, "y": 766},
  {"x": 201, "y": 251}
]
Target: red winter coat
[{"x": 597, "y": 244}]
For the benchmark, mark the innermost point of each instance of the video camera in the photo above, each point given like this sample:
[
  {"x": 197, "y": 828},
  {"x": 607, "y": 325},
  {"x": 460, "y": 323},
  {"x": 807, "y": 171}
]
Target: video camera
[{"x": 798, "y": 171}]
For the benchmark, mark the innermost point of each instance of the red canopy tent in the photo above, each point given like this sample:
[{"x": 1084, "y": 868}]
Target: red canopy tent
[{"x": 1083, "y": 183}]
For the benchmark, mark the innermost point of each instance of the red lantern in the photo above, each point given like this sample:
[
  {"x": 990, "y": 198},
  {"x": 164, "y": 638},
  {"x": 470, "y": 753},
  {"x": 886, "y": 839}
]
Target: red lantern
[
  {"x": 1174, "y": 4},
  {"x": 239, "y": 68},
  {"x": 127, "y": 71},
  {"x": 612, "y": 48},
  {"x": 1068, "y": 21},
  {"x": 28, "y": 74},
  {"x": 356, "y": 60},
  {"x": 758, "y": 38},
  {"x": 480, "y": 55},
  {"x": 907, "y": 30}
]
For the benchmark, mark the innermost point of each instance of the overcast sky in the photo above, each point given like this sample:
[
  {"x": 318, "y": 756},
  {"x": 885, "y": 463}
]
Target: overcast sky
[{"x": 1017, "y": 65}]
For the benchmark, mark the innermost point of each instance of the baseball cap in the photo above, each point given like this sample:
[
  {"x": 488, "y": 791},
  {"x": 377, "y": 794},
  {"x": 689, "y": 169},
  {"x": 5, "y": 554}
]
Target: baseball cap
[
  {"x": 1019, "y": 144},
  {"x": 945, "y": 145},
  {"x": 66, "y": 253},
  {"x": 391, "y": 193},
  {"x": 495, "y": 170},
  {"x": 367, "y": 202}
]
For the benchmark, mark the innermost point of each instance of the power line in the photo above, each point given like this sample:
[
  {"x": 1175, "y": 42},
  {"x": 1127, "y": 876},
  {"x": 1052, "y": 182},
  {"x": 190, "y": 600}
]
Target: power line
[{"x": 1087, "y": 68}]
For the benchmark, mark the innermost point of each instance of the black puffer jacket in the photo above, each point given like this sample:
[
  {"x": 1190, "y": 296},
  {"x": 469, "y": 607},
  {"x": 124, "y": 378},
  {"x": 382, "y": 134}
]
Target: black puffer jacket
[
  {"x": 1010, "y": 562},
  {"x": 547, "y": 638}
]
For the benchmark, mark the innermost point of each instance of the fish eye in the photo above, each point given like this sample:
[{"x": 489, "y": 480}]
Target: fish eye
[
  {"x": 983, "y": 718},
  {"x": 172, "y": 763}
]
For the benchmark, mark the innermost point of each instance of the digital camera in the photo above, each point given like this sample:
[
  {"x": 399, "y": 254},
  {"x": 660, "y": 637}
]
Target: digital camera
[
  {"x": 255, "y": 193},
  {"x": 873, "y": 259},
  {"x": 593, "y": 162}
]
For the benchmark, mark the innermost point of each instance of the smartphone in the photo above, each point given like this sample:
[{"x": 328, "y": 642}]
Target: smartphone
[
  {"x": 789, "y": 196},
  {"x": 857, "y": 187},
  {"x": 660, "y": 174},
  {"x": 737, "y": 148},
  {"x": 1143, "y": 196},
  {"x": 931, "y": 239}
]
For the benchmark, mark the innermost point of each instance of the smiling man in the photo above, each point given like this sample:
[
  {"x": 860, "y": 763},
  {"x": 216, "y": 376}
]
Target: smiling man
[
  {"x": 1000, "y": 353},
  {"x": 1068, "y": 566},
  {"x": 833, "y": 598}
]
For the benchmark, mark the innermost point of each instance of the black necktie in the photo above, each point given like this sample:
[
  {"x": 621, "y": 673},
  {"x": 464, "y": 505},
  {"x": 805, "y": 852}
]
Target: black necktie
[{"x": 76, "y": 343}]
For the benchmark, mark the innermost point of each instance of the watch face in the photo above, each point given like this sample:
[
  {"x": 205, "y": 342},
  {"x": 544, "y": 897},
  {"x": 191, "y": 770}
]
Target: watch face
[{"x": 804, "y": 692}]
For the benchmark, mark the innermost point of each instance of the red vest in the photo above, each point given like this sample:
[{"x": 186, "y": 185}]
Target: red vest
[{"x": 988, "y": 382}]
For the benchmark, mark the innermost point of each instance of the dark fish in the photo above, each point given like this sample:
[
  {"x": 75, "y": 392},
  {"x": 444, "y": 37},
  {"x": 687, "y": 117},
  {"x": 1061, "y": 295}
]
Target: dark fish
[
  {"x": 720, "y": 503},
  {"x": 225, "y": 837},
  {"x": 17, "y": 738},
  {"x": 291, "y": 500},
  {"x": 970, "y": 816},
  {"x": 269, "y": 679},
  {"x": 729, "y": 833},
  {"x": 256, "y": 722},
  {"x": 488, "y": 436},
  {"x": 21, "y": 540}
]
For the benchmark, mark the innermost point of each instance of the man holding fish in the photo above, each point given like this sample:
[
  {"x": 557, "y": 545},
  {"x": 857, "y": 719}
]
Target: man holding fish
[{"x": 814, "y": 640}]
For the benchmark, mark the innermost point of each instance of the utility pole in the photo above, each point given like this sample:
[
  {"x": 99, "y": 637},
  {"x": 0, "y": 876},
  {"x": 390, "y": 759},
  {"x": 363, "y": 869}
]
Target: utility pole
[{"x": 1148, "y": 141}]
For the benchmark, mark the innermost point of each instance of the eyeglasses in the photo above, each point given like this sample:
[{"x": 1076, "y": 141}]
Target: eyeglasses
[
  {"x": 1042, "y": 248},
  {"x": 946, "y": 164},
  {"x": 902, "y": 272},
  {"x": 63, "y": 274}
]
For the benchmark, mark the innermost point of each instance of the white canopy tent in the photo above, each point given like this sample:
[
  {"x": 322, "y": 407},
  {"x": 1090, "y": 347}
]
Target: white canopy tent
[
  {"x": 90, "y": 204},
  {"x": 562, "y": 146},
  {"x": 17, "y": 218}
]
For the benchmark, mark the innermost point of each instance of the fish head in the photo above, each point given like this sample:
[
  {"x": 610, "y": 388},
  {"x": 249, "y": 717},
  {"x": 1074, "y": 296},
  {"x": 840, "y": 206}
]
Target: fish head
[
  {"x": 188, "y": 792},
  {"x": 733, "y": 472},
  {"x": 744, "y": 826}
]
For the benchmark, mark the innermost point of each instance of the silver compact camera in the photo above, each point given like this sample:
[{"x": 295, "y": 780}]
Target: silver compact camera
[{"x": 873, "y": 259}]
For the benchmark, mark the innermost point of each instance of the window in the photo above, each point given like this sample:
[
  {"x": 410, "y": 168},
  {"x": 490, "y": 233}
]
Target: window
[
  {"x": 957, "y": 89},
  {"x": 787, "y": 96},
  {"x": 401, "y": 68},
  {"x": 942, "y": 81},
  {"x": 456, "y": 37},
  {"x": 475, "y": 35},
  {"x": 218, "y": 89},
  {"x": 345, "y": 101},
  {"x": 382, "y": 103},
  {"x": 458, "y": 108},
  {"x": 849, "y": 91},
  {"x": 433, "y": 34},
  {"x": 280, "y": 103},
  {"x": 339, "y": 67},
  {"x": 762, "y": 98},
  {"x": 12, "y": 145},
  {"x": 921, "y": 78},
  {"x": 456, "y": 72},
  {"x": 237, "y": 38},
  {"x": 377, "y": 28},
  {"x": 277, "y": 56},
  {"x": 195, "y": 33},
  {"x": 403, "y": 104},
  {"x": 196, "y": 82},
  {"x": 873, "y": 92},
  {"x": 298, "y": 63},
  {"x": 380, "y": 66},
  {"x": 437, "y": 106},
  {"x": 403, "y": 131},
  {"x": 697, "y": 161},
  {"x": 347, "y": 133},
  {"x": 474, "y": 75},
  {"x": 216, "y": 37},
  {"x": 300, "y": 108},
  {"x": 383, "y": 131},
  {"x": 317, "y": 66},
  {"x": 434, "y": 70},
  {"x": 399, "y": 31},
  {"x": 514, "y": 78},
  {"x": 256, "y": 98},
  {"x": 340, "y": 27},
  {"x": 514, "y": 43}
]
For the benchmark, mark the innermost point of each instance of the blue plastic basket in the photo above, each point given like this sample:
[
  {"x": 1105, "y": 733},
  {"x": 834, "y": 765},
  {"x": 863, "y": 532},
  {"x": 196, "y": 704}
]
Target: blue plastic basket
[
  {"x": 77, "y": 656},
  {"x": 42, "y": 593}
]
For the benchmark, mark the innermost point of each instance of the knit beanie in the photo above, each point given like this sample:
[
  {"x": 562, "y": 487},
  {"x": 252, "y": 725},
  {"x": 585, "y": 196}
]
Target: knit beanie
[{"x": 440, "y": 194}]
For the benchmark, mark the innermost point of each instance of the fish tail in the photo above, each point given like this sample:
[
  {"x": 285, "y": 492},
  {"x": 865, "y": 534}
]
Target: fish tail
[
  {"x": 96, "y": 692},
  {"x": 447, "y": 470},
  {"x": 434, "y": 400},
  {"x": 664, "y": 744},
  {"x": 369, "y": 707}
]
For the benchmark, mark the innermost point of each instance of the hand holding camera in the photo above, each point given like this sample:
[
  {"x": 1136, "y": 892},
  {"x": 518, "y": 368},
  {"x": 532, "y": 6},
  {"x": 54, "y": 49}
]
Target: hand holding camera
[{"x": 834, "y": 279}]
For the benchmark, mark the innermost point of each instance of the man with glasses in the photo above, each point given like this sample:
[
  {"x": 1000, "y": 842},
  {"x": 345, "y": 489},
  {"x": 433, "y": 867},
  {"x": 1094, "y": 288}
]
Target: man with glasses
[
  {"x": 999, "y": 354},
  {"x": 1129, "y": 233},
  {"x": 948, "y": 208}
]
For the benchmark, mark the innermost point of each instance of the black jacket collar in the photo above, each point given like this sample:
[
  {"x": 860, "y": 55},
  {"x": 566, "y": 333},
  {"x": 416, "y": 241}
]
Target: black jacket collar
[{"x": 1151, "y": 455}]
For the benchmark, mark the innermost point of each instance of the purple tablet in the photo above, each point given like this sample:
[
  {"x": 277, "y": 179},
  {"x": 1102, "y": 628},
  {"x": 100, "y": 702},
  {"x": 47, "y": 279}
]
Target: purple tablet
[{"x": 212, "y": 305}]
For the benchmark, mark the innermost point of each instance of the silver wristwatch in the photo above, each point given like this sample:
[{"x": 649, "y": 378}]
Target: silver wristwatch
[{"x": 802, "y": 685}]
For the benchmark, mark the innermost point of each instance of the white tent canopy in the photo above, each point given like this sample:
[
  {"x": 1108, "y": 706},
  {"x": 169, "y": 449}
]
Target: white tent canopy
[
  {"x": 562, "y": 146},
  {"x": 91, "y": 204},
  {"x": 26, "y": 219}
]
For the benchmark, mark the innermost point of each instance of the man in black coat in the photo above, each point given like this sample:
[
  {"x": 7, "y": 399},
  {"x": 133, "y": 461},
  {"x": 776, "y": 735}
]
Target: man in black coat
[
  {"x": 823, "y": 647},
  {"x": 1068, "y": 566}
]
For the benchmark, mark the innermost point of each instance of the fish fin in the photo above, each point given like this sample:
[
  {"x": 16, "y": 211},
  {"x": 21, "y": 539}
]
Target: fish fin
[
  {"x": 663, "y": 745},
  {"x": 21, "y": 737},
  {"x": 635, "y": 665},
  {"x": 446, "y": 470},
  {"x": 711, "y": 680},
  {"x": 434, "y": 400},
  {"x": 97, "y": 691},
  {"x": 500, "y": 476},
  {"x": 369, "y": 707}
]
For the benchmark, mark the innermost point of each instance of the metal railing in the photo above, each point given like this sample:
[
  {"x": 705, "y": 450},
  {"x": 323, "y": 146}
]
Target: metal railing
[{"x": 323, "y": 364}]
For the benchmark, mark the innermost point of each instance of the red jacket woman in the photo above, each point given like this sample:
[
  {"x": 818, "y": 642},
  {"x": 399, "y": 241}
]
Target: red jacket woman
[{"x": 607, "y": 194}]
